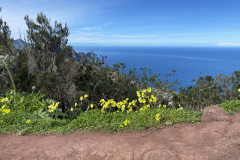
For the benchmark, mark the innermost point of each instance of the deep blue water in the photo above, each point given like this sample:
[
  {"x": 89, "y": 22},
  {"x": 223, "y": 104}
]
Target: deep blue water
[{"x": 189, "y": 61}]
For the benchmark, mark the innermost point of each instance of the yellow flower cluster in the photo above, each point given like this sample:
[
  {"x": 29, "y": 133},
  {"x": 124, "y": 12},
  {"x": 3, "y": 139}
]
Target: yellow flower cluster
[
  {"x": 53, "y": 107},
  {"x": 119, "y": 106},
  {"x": 143, "y": 96},
  {"x": 126, "y": 122},
  {"x": 4, "y": 100},
  {"x": 157, "y": 117},
  {"x": 164, "y": 106},
  {"x": 3, "y": 107},
  {"x": 83, "y": 97},
  {"x": 146, "y": 99},
  {"x": 4, "y": 110}
]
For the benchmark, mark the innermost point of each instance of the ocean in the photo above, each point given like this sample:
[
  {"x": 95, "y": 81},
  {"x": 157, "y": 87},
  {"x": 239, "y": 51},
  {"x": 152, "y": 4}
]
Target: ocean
[{"x": 191, "y": 62}]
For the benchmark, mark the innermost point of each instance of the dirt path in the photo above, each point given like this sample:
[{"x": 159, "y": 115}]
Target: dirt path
[{"x": 217, "y": 137}]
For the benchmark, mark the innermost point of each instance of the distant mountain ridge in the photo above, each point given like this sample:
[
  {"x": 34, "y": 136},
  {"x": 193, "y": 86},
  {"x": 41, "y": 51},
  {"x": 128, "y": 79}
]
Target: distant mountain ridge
[{"x": 20, "y": 44}]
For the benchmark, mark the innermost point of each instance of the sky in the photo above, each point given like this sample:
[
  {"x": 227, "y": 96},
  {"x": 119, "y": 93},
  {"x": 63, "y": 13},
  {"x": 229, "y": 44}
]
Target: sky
[{"x": 134, "y": 22}]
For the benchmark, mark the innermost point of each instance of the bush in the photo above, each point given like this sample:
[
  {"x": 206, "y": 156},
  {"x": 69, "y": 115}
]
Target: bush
[{"x": 231, "y": 106}]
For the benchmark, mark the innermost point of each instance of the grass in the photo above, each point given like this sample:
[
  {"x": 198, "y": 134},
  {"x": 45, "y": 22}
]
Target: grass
[{"x": 94, "y": 120}]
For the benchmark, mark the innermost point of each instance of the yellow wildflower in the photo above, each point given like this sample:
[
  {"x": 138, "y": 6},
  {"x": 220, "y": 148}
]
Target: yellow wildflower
[
  {"x": 149, "y": 90},
  {"x": 75, "y": 104},
  {"x": 28, "y": 121},
  {"x": 239, "y": 90},
  {"x": 129, "y": 104},
  {"x": 160, "y": 106},
  {"x": 144, "y": 101},
  {"x": 154, "y": 100},
  {"x": 121, "y": 126},
  {"x": 7, "y": 111},
  {"x": 91, "y": 105},
  {"x": 164, "y": 106},
  {"x": 157, "y": 117},
  {"x": 130, "y": 110},
  {"x": 142, "y": 109},
  {"x": 123, "y": 108},
  {"x": 81, "y": 98},
  {"x": 138, "y": 94},
  {"x": 114, "y": 104},
  {"x": 85, "y": 96},
  {"x": 126, "y": 122},
  {"x": 102, "y": 101},
  {"x": 4, "y": 99},
  {"x": 53, "y": 107},
  {"x": 133, "y": 103},
  {"x": 179, "y": 105},
  {"x": 143, "y": 94},
  {"x": 71, "y": 109},
  {"x": 3, "y": 106}
]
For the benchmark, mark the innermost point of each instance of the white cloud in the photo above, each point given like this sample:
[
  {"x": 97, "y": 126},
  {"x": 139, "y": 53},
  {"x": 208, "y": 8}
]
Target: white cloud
[
  {"x": 229, "y": 44},
  {"x": 134, "y": 36},
  {"x": 201, "y": 33},
  {"x": 90, "y": 28}
]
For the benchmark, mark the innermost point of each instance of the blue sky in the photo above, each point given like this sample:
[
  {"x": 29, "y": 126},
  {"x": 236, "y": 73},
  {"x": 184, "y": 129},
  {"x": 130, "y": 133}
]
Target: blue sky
[{"x": 135, "y": 22}]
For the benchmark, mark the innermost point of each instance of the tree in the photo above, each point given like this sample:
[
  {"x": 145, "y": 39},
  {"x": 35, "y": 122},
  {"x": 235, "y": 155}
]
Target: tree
[
  {"x": 6, "y": 42},
  {"x": 6, "y": 49},
  {"x": 45, "y": 41}
]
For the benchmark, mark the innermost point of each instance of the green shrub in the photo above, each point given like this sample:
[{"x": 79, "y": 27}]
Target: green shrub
[{"x": 231, "y": 106}]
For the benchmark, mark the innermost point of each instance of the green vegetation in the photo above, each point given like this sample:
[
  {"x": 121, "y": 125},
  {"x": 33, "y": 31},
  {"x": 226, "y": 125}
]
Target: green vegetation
[
  {"x": 49, "y": 88},
  {"x": 32, "y": 115},
  {"x": 231, "y": 106}
]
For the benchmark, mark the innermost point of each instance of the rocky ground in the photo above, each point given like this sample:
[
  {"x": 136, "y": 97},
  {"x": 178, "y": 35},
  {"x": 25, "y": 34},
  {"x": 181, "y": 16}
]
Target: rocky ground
[{"x": 217, "y": 137}]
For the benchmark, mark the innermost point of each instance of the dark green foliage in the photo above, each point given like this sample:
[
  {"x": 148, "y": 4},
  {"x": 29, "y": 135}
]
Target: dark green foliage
[
  {"x": 6, "y": 42},
  {"x": 6, "y": 51},
  {"x": 46, "y": 41},
  {"x": 208, "y": 91}
]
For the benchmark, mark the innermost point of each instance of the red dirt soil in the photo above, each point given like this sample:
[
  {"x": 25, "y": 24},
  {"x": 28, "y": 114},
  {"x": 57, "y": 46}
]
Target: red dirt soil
[{"x": 217, "y": 137}]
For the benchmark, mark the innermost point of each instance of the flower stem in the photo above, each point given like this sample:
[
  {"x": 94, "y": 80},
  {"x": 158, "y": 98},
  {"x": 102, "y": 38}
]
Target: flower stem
[{"x": 10, "y": 75}]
